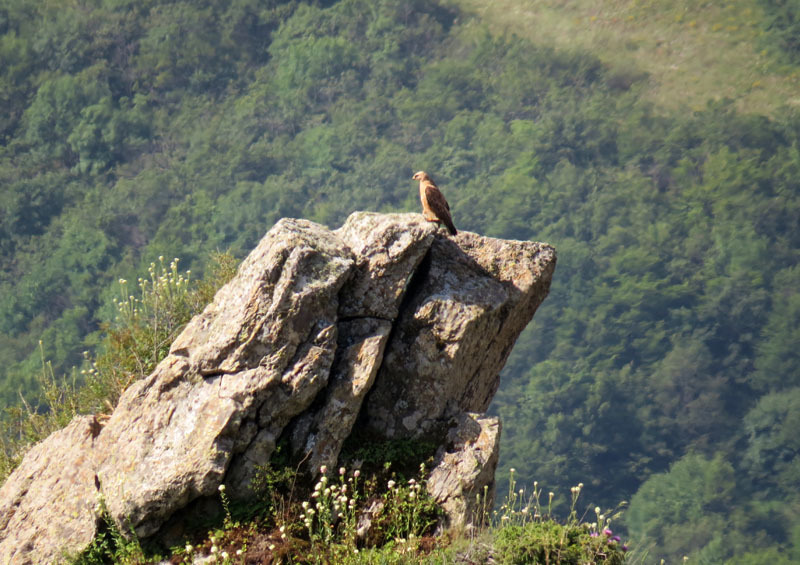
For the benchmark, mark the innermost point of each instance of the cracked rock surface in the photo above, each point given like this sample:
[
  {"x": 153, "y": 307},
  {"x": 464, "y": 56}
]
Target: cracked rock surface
[{"x": 384, "y": 320}]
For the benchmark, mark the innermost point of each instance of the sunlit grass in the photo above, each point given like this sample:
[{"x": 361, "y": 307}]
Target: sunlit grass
[
  {"x": 325, "y": 524},
  {"x": 692, "y": 52}
]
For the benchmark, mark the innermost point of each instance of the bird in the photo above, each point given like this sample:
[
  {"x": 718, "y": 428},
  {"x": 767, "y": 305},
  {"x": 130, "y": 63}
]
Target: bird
[{"x": 434, "y": 207}]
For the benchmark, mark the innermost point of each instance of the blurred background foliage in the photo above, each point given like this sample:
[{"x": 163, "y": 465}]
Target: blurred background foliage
[{"x": 664, "y": 367}]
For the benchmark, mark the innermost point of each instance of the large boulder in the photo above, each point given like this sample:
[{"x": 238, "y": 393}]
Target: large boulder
[
  {"x": 465, "y": 308},
  {"x": 385, "y": 321}
]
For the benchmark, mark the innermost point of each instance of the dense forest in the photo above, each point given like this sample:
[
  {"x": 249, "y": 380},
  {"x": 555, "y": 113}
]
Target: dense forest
[{"x": 664, "y": 367}]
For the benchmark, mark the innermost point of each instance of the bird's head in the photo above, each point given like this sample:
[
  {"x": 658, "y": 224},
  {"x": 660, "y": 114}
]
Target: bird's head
[{"x": 422, "y": 175}]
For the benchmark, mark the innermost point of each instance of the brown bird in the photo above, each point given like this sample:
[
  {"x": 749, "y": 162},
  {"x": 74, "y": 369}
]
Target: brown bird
[{"x": 434, "y": 207}]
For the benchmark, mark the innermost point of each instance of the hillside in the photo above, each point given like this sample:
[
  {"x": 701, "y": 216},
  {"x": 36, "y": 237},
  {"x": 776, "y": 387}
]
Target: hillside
[
  {"x": 685, "y": 53},
  {"x": 663, "y": 368}
]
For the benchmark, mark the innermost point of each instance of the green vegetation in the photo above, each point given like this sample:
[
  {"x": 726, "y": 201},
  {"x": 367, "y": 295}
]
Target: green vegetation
[
  {"x": 663, "y": 365},
  {"x": 325, "y": 524},
  {"x": 135, "y": 341}
]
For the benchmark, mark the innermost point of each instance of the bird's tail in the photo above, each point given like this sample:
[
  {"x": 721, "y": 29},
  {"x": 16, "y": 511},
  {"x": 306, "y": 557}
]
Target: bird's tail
[{"x": 450, "y": 226}]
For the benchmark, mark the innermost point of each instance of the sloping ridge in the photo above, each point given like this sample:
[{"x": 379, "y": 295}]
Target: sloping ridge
[{"x": 307, "y": 338}]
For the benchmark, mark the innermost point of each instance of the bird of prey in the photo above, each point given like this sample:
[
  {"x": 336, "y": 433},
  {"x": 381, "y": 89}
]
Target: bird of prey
[{"x": 434, "y": 207}]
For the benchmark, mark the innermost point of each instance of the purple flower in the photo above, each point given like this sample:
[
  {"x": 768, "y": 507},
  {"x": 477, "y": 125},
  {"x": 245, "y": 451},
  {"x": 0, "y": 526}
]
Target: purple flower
[
  {"x": 607, "y": 532},
  {"x": 615, "y": 538},
  {"x": 624, "y": 547},
  {"x": 593, "y": 534}
]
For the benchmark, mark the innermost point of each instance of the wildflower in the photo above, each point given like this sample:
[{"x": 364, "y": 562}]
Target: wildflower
[
  {"x": 607, "y": 532},
  {"x": 357, "y": 473},
  {"x": 282, "y": 529},
  {"x": 305, "y": 504},
  {"x": 624, "y": 547},
  {"x": 597, "y": 510},
  {"x": 323, "y": 469},
  {"x": 238, "y": 552},
  {"x": 214, "y": 549},
  {"x": 221, "y": 488},
  {"x": 224, "y": 554},
  {"x": 513, "y": 470},
  {"x": 272, "y": 547},
  {"x": 342, "y": 470},
  {"x": 594, "y": 534},
  {"x": 390, "y": 484},
  {"x": 189, "y": 548}
]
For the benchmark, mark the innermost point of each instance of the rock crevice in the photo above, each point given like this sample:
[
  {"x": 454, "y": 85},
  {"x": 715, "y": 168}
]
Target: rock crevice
[{"x": 383, "y": 320}]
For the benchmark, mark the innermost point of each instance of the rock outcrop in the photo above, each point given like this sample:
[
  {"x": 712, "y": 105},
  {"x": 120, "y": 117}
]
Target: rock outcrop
[{"x": 383, "y": 320}]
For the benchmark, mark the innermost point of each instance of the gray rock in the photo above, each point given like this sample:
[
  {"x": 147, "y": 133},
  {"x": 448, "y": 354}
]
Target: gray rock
[
  {"x": 318, "y": 435},
  {"x": 464, "y": 470},
  {"x": 47, "y": 505},
  {"x": 383, "y": 319},
  {"x": 258, "y": 354},
  {"x": 388, "y": 248},
  {"x": 468, "y": 303}
]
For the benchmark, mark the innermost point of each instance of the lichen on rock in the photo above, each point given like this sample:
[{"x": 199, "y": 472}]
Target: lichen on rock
[{"x": 384, "y": 321}]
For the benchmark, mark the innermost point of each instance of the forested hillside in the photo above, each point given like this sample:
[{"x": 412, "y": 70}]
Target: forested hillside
[{"x": 663, "y": 368}]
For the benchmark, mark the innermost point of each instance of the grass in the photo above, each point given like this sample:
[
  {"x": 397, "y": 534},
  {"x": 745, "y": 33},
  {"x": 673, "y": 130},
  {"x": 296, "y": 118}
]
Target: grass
[
  {"x": 326, "y": 524},
  {"x": 690, "y": 51}
]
